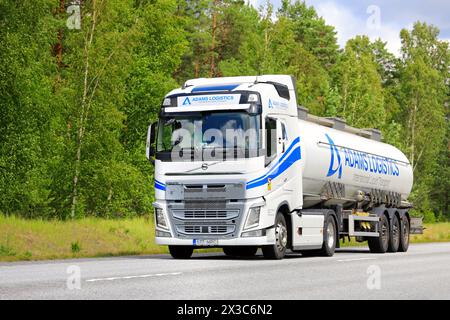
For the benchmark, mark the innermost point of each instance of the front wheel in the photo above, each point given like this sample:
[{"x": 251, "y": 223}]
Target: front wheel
[
  {"x": 181, "y": 252},
  {"x": 278, "y": 250}
]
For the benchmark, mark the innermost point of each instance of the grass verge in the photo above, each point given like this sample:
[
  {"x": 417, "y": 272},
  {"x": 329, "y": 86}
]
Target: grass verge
[{"x": 22, "y": 239}]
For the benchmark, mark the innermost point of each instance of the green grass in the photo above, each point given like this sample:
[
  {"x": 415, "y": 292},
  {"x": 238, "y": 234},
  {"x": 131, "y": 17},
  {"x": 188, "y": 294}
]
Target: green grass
[
  {"x": 437, "y": 232},
  {"x": 22, "y": 239}
]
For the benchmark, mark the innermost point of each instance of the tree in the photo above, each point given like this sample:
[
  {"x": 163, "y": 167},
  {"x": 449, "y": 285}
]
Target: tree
[
  {"x": 311, "y": 30},
  {"x": 423, "y": 96},
  {"x": 26, "y": 106},
  {"x": 359, "y": 84},
  {"x": 104, "y": 132},
  {"x": 75, "y": 104},
  {"x": 197, "y": 23}
]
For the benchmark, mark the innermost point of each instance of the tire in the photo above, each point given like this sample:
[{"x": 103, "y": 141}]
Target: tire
[
  {"x": 329, "y": 243},
  {"x": 278, "y": 250},
  {"x": 394, "y": 235},
  {"x": 380, "y": 244},
  {"x": 404, "y": 234},
  {"x": 181, "y": 252},
  {"x": 240, "y": 251}
]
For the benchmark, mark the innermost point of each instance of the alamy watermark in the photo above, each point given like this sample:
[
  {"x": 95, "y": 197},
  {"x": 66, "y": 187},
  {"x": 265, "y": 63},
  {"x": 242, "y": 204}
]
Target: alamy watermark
[
  {"x": 374, "y": 20},
  {"x": 73, "y": 281},
  {"x": 213, "y": 144},
  {"x": 74, "y": 20},
  {"x": 374, "y": 279}
]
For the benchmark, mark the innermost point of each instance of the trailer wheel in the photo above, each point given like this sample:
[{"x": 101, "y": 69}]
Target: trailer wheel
[
  {"x": 240, "y": 251},
  {"x": 404, "y": 234},
  {"x": 278, "y": 250},
  {"x": 380, "y": 244},
  {"x": 181, "y": 252},
  {"x": 394, "y": 235}
]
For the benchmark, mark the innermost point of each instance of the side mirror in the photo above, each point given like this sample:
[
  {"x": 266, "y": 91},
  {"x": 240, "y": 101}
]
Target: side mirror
[{"x": 151, "y": 137}]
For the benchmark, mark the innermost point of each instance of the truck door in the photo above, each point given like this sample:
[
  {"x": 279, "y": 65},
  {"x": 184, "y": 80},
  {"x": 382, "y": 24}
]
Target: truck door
[
  {"x": 282, "y": 143},
  {"x": 289, "y": 148}
]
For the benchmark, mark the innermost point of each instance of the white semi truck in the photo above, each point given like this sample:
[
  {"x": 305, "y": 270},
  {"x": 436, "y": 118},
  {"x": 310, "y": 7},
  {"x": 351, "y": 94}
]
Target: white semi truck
[{"x": 240, "y": 166}]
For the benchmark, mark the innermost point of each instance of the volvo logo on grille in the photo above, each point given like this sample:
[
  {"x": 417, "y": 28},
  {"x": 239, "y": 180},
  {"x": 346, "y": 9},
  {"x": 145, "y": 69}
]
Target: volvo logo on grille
[{"x": 204, "y": 166}]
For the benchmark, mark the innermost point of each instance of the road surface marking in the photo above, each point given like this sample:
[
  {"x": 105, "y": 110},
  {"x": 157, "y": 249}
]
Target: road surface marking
[
  {"x": 135, "y": 277},
  {"x": 355, "y": 259}
]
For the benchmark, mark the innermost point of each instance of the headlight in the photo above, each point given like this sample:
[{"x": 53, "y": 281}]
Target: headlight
[
  {"x": 160, "y": 219},
  {"x": 252, "y": 218}
]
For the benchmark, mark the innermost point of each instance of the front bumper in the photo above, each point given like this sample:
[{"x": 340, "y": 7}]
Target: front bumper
[
  {"x": 183, "y": 229},
  {"x": 268, "y": 239}
]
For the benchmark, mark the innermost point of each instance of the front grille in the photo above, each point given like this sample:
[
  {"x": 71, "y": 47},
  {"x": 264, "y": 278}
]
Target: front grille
[
  {"x": 205, "y": 205},
  {"x": 206, "y": 214},
  {"x": 205, "y": 229},
  {"x": 218, "y": 229},
  {"x": 203, "y": 219}
]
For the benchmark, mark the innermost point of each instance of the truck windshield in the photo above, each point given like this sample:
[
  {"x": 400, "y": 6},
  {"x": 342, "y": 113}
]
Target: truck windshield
[{"x": 215, "y": 135}]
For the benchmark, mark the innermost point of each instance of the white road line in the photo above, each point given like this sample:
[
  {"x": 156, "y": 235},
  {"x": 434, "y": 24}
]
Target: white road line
[
  {"x": 135, "y": 277},
  {"x": 355, "y": 259}
]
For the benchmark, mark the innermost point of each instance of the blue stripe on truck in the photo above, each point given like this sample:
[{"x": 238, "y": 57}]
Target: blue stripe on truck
[
  {"x": 160, "y": 185},
  {"x": 285, "y": 162}
]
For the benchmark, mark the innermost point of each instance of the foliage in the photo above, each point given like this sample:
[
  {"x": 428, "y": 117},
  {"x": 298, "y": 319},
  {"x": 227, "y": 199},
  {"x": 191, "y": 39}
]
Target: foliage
[{"x": 75, "y": 104}]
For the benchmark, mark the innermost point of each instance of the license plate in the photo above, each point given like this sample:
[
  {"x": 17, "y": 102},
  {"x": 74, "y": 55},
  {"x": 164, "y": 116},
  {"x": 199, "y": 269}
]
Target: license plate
[{"x": 206, "y": 242}]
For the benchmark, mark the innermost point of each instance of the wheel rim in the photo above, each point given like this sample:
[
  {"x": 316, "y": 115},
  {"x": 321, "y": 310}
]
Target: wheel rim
[
  {"x": 281, "y": 234},
  {"x": 330, "y": 235}
]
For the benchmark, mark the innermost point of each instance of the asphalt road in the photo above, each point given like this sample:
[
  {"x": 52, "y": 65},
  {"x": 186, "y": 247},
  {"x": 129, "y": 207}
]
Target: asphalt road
[{"x": 421, "y": 273}]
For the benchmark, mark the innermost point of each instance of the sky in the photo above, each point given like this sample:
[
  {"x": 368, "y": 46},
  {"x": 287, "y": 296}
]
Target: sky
[{"x": 378, "y": 18}]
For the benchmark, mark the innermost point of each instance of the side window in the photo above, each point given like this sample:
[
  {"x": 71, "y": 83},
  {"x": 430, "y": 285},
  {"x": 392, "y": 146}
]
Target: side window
[{"x": 271, "y": 139}]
